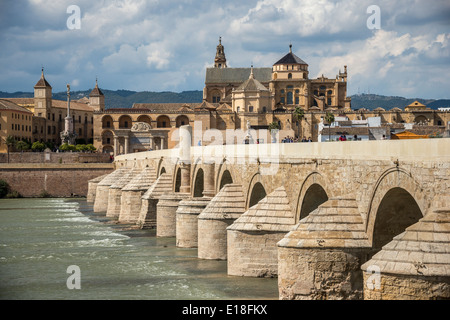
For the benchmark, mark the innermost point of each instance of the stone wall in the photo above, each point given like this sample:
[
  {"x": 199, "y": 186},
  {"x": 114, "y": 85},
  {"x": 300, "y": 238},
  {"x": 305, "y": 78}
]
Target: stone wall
[
  {"x": 253, "y": 254},
  {"x": 54, "y": 157},
  {"x": 57, "y": 180},
  {"x": 402, "y": 287},
  {"x": 363, "y": 185}
]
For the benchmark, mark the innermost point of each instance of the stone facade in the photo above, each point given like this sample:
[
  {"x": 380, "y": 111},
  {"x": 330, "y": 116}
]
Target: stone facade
[{"x": 260, "y": 96}]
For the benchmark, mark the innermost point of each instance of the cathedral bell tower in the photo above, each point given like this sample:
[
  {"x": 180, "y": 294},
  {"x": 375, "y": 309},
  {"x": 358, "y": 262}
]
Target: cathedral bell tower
[
  {"x": 42, "y": 97},
  {"x": 220, "y": 61},
  {"x": 97, "y": 98}
]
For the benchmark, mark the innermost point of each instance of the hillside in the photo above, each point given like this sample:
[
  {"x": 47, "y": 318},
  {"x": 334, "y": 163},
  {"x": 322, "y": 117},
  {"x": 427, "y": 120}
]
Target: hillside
[{"x": 126, "y": 98}]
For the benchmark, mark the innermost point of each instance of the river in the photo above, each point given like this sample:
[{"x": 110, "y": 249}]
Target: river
[{"x": 41, "y": 238}]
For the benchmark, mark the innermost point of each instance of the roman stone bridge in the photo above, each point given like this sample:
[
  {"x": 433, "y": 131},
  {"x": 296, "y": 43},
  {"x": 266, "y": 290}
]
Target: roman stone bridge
[{"x": 335, "y": 220}]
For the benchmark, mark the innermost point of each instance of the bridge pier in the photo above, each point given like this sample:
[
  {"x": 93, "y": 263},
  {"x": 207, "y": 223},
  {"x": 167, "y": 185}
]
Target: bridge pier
[
  {"x": 132, "y": 195},
  {"x": 322, "y": 257},
  {"x": 166, "y": 219},
  {"x": 115, "y": 193},
  {"x": 92, "y": 188},
  {"x": 252, "y": 238},
  {"x": 102, "y": 192},
  {"x": 415, "y": 265},
  {"x": 150, "y": 199},
  {"x": 220, "y": 213},
  {"x": 187, "y": 221}
]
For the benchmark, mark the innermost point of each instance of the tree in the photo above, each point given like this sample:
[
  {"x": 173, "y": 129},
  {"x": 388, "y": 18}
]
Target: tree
[
  {"x": 67, "y": 147},
  {"x": 90, "y": 147},
  {"x": 22, "y": 146},
  {"x": 10, "y": 141},
  {"x": 298, "y": 114},
  {"x": 80, "y": 147},
  {"x": 329, "y": 119},
  {"x": 38, "y": 146}
]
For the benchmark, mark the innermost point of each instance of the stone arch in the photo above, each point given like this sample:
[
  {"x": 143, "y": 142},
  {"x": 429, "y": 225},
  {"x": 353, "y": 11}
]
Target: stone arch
[
  {"x": 107, "y": 122},
  {"x": 255, "y": 192},
  {"x": 145, "y": 118},
  {"x": 161, "y": 167},
  {"x": 216, "y": 95},
  {"x": 224, "y": 167},
  {"x": 394, "y": 182},
  {"x": 163, "y": 121},
  {"x": 181, "y": 120},
  {"x": 177, "y": 179},
  {"x": 397, "y": 211},
  {"x": 107, "y": 137},
  {"x": 125, "y": 122},
  {"x": 198, "y": 184},
  {"x": 313, "y": 192},
  {"x": 421, "y": 119},
  {"x": 225, "y": 179}
]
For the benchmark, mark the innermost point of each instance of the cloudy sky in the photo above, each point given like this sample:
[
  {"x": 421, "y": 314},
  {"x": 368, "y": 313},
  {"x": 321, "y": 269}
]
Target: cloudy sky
[{"x": 165, "y": 45}]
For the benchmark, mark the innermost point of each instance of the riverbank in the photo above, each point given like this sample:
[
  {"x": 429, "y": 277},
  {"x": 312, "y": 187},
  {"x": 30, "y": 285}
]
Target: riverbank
[{"x": 52, "y": 179}]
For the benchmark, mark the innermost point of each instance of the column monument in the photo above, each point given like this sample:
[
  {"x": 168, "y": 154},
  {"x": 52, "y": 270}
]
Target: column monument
[{"x": 68, "y": 135}]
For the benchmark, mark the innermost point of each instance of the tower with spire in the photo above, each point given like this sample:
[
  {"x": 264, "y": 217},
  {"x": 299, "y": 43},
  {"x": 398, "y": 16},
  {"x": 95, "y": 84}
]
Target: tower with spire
[
  {"x": 42, "y": 97},
  {"x": 97, "y": 98},
  {"x": 220, "y": 61}
]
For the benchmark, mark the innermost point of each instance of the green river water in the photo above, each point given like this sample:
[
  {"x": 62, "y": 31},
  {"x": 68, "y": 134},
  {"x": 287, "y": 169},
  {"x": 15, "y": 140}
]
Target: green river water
[{"x": 41, "y": 238}]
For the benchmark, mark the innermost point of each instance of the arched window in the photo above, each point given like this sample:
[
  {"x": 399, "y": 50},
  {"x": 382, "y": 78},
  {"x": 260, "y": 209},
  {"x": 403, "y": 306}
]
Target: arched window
[
  {"x": 290, "y": 76},
  {"x": 125, "y": 122},
  {"x": 250, "y": 108},
  {"x": 163, "y": 122},
  {"x": 289, "y": 99},
  {"x": 181, "y": 121}
]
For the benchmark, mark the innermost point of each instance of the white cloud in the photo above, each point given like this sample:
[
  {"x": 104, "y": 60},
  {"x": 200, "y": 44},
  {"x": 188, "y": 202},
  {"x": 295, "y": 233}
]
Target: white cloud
[{"x": 165, "y": 45}]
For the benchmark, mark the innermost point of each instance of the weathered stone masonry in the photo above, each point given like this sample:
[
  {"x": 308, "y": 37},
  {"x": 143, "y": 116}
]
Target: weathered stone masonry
[{"x": 346, "y": 202}]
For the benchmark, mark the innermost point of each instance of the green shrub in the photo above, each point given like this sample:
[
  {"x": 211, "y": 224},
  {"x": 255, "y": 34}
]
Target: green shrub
[
  {"x": 67, "y": 147},
  {"x": 44, "y": 194},
  {"x": 38, "y": 146},
  {"x": 4, "y": 188},
  {"x": 22, "y": 146},
  {"x": 13, "y": 194}
]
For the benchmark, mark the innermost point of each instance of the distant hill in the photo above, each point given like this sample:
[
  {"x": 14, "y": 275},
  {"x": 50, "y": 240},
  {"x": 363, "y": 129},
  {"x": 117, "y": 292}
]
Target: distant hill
[
  {"x": 122, "y": 98},
  {"x": 126, "y": 98},
  {"x": 372, "y": 101}
]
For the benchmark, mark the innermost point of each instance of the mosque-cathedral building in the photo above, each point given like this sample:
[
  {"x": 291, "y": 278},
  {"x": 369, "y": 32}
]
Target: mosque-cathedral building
[{"x": 233, "y": 99}]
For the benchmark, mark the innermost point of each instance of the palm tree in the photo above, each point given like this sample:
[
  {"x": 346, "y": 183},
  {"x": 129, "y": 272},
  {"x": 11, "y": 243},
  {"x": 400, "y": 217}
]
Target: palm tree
[
  {"x": 10, "y": 141},
  {"x": 329, "y": 119},
  {"x": 298, "y": 115}
]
